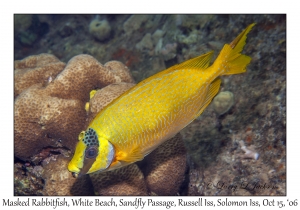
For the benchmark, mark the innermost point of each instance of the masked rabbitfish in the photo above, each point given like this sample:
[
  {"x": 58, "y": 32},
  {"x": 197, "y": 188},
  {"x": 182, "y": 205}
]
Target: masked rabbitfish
[{"x": 154, "y": 110}]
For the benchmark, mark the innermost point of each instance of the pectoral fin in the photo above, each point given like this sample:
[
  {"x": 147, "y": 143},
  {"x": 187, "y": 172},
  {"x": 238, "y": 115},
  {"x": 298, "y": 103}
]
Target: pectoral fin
[{"x": 130, "y": 157}]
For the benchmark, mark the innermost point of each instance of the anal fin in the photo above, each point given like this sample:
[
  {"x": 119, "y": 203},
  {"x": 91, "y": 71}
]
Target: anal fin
[{"x": 211, "y": 93}]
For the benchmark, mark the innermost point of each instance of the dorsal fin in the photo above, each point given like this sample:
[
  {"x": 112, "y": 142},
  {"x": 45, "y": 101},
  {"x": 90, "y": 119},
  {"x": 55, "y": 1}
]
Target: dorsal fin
[
  {"x": 239, "y": 42},
  {"x": 201, "y": 62}
]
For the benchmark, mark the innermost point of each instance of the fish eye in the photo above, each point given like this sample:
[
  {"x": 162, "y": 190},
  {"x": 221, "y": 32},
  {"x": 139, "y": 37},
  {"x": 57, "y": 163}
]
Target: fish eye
[{"x": 91, "y": 152}]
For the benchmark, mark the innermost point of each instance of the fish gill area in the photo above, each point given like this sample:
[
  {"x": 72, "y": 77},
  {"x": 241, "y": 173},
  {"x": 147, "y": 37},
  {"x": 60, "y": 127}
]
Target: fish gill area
[{"x": 236, "y": 147}]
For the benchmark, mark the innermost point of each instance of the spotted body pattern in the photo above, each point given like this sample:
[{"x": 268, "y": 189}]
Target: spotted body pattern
[{"x": 157, "y": 108}]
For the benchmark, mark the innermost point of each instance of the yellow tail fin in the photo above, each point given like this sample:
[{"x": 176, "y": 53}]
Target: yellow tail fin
[{"x": 230, "y": 56}]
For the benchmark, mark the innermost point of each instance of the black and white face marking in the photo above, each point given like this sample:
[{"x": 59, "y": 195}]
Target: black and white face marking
[
  {"x": 92, "y": 144},
  {"x": 90, "y": 139}
]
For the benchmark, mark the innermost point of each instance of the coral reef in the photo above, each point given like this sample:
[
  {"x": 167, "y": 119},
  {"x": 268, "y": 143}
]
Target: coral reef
[
  {"x": 258, "y": 116},
  {"x": 22, "y": 22},
  {"x": 249, "y": 152},
  {"x": 100, "y": 29},
  {"x": 157, "y": 35},
  {"x": 128, "y": 180},
  {"x": 55, "y": 113},
  {"x": 134, "y": 23},
  {"x": 27, "y": 181},
  {"x": 28, "y": 29},
  {"x": 223, "y": 102},
  {"x": 59, "y": 181},
  {"x": 168, "y": 51},
  {"x": 35, "y": 70},
  {"x": 191, "y": 39},
  {"x": 168, "y": 159},
  {"x": 145, "y": 43}
]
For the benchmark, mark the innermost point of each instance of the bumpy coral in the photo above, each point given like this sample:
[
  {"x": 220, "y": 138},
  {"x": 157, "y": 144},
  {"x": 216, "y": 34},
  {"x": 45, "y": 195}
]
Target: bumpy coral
[
  {"x": 52, "y": 115},
  {"x": 168, "y": 159},
  {"x": 49, "y": 116},
  {"x": 38, "y": 69},
  {"x": 44, "y": 121},
  {"x": 100, "y": 29},
  {"x": 128, "y": 180},
  {"x": 59, "y": 181},
  {"x": 223, "y": 102},
  {"x": 84, "y": 73}
]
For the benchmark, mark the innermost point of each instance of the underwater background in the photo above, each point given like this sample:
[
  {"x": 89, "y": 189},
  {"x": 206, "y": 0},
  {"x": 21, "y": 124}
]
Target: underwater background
[{"x": 236, "y": 147}]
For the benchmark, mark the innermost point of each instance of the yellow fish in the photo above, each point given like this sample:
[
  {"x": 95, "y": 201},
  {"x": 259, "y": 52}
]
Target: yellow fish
[{"x": 154, "y": 110}]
